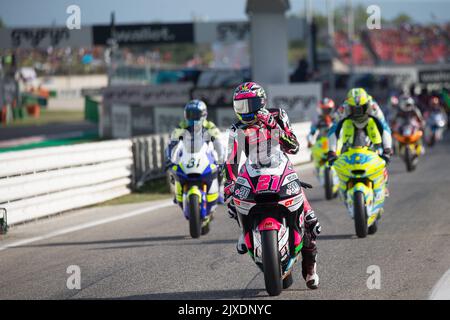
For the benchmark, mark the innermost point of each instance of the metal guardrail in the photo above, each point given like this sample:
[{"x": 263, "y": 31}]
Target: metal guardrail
[
  {"x": 149, "y": 158},
  {"x": 41, "y": 182}
]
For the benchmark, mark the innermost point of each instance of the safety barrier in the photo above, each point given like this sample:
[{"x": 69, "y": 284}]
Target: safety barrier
[
  {"x": 41, "y": 182},
  {"x": 149, "y": 158}
]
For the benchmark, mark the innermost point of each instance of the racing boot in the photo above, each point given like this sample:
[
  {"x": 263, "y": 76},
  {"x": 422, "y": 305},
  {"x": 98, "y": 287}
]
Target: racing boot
[
  {"x": 309, "y": 270},
  {"x": 241, "y": 247}
]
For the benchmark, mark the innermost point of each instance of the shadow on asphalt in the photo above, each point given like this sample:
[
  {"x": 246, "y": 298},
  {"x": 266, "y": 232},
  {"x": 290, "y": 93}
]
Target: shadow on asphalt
[
  {"x": 140, "y": 242},
  {"x": 127, "y": 240},
  {"x": 206, "y": 295},
  {"x": 194, "y": 242},
  {"x": 198, "y": 295},
  {"x": 336, "y": 236}
]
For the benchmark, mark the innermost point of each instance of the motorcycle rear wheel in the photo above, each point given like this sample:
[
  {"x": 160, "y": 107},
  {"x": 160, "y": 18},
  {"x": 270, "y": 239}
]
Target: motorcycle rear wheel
[
  {"x": 271, "y": 262},
  {"x": 432, "y": 139},
  {"x": 328, "y": 184}
]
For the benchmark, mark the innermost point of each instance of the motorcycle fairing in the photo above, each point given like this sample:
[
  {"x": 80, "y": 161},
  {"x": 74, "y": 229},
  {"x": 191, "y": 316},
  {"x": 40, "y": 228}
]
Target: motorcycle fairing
[{"x": 361, "y": 169}]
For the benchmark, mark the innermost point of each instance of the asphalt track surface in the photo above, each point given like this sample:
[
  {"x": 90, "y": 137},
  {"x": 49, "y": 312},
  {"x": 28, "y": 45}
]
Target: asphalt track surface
[{"x": 150, "y": 255}]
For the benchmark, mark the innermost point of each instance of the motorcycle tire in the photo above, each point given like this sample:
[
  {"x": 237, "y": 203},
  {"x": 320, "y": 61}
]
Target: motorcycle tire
[
  {"x": 328, "y": 184},
  {"x": 360, "y": 217},
  {"x": 195, "y": 223},
  {"x": 409, "y": 159},
  {"x": 271, "y": 262},
  {"x": 432, "y": 141}
]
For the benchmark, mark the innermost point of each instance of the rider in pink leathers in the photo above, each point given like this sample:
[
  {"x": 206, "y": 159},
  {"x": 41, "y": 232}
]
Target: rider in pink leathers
[{"x": 249, "y": 102}]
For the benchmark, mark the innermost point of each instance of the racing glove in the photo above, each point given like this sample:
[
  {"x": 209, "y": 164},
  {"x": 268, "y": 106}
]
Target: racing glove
[
  {"x": 232, "y": 213},
  {"x": 386, "y": 155},
  {"x": 331, "y": 157},
  {"x": 168, "y": 164},
  {"x": 312, "y": 224},
  {"x": 266, "y": 118}
]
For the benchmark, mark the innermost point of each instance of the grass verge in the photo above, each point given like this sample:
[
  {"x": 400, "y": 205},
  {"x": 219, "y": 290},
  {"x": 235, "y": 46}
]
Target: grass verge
[{"x": 49, "y": 116}]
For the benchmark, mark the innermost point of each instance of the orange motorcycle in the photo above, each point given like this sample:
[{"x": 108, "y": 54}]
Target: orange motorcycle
[{"x": 409, "y": 138}]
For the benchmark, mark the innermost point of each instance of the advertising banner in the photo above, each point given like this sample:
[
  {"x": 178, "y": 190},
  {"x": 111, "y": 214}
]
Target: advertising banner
[
  {"x": 299, "y": 100},
  {"x": 167, "y": 118},
  {"x": 434, "y": 76},
  {"x": 121, "y": 121},
  {"x": 221, "y": 96},
  {"x": 142, "y": 120},
  {"x": 168, "y": 94},
  {"x": 42, "y": 38},
  {"x": 141, "y": 34},
  {"x": 225, "y": 117}
]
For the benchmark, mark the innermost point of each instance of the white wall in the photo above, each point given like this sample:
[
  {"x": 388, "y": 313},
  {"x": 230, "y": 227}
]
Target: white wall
[{"x": 68, "y": 89}]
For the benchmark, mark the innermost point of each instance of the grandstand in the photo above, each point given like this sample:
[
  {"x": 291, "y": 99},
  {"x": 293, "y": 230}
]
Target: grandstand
[{"x": 407, "y": 44}]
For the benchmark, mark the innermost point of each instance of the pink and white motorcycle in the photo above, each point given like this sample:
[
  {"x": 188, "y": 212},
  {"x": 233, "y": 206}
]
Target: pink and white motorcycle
[{"x": 269, "y": 203}]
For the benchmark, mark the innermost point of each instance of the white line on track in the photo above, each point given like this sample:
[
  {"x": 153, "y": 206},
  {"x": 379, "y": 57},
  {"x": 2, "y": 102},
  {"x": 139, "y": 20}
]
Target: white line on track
[
  {"x": 86, "y": 225},
  {"x": 441, "y": 290}
]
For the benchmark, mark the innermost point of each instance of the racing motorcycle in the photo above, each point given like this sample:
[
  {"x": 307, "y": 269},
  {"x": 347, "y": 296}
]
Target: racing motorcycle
[
  {"x": 436, "y": 123},
  {"x": 196, "y": 172},
  {"x": 408, "y": 137},
  {"x": 362, "y": 188},
  {"x": 327, "y": 175},
  {"x": 269, "y": 201}
]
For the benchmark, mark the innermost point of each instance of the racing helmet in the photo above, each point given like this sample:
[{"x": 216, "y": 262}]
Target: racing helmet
[
  {"x": 358, "y": 102},
  {"x": 406, "y": 103},
  {"x": 248, "y": 99},
  {"x": 195, "y": 113},
  {"x": 394, "y": 101},
  {"x": 434, "y": 102},
  {"x": 326, "y": 106}
]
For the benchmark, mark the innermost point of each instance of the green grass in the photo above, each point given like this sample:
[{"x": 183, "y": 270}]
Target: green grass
[
  {"x": 49, "y": 116},
  {"x": 53, "y": 143},
  {"x": 153, "y": 190}
]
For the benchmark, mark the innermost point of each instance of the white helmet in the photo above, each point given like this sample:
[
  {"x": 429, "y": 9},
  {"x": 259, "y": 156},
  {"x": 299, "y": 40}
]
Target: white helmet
[{"x": 406, "y": 103}]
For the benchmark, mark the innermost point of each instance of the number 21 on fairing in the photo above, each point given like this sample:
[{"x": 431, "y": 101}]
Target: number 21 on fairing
[{"x": 264, "y": 182}]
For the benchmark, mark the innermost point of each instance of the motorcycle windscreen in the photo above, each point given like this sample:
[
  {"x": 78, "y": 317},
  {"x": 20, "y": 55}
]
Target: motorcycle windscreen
[
  {"x": 194, "y": 138},
  {"x": 264, "y": 149}
]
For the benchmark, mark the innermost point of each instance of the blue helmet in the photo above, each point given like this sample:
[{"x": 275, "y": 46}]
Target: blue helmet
[{"x": 195, "y": 112}]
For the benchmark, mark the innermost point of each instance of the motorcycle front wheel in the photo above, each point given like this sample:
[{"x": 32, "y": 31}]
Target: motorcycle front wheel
[
  {"x": 195, "y": 224},
  {"x": 271, "y": 262},
  {"x": 328, "y": 184},
  {"x": 359, "y": 210},
  {"x": 409, "y": 159}
]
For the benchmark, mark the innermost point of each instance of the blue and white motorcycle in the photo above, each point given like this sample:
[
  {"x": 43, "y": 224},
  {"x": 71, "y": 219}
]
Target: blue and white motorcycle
[
  {"x": 196, "y": 175},
  {"x": 436, "y": 123}
]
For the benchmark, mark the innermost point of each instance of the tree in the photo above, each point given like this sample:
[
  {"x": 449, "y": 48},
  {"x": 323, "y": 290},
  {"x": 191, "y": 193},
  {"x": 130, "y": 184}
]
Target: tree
[
  {"x": 401, "y": 18},
  {"x": 2, "y": 25}
]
